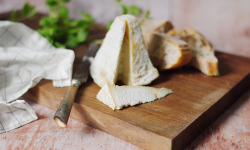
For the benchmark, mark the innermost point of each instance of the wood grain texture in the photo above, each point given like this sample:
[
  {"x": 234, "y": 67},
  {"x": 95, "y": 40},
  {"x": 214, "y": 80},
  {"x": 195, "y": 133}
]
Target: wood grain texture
[
  {"x": 171, "y": 122},
  {"x": 230, "y": 131},
  {"x": 168, "y": 123}
]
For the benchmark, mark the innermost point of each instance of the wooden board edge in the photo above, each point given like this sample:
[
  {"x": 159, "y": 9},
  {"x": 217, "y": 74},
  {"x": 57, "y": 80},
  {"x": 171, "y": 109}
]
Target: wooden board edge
[
  {"x": 153, "y": 141},
  {"x": 209, "y": 116},
  {"x": 104, "y": 122},
  {"x": 121, "y": 129}
]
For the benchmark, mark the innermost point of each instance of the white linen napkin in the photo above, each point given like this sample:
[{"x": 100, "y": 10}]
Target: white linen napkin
[{"x": 26, "y": 58}]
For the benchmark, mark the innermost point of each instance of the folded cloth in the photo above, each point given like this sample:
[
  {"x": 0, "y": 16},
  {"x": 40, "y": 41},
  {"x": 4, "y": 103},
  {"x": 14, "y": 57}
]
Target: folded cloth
[
  {"x": 26, "y": 58},
  {"x": 15, "y": 114}
]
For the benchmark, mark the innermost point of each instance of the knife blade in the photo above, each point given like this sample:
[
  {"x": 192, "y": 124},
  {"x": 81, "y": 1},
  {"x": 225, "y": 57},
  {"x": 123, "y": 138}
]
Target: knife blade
[{"x": 80, "y": 76}]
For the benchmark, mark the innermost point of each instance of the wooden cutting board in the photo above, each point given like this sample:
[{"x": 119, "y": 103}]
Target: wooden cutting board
[{"x": 168, "y": 123}]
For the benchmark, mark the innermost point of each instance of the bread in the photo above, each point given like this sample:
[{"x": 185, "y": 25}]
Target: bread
[
  {"x": 154, "y": 26},
  {"x": 203, "y": 53},
  {"x": 164, "y": 51},
  {"x": 159, "y": 26},
  {"x": 168, "y": 52}
]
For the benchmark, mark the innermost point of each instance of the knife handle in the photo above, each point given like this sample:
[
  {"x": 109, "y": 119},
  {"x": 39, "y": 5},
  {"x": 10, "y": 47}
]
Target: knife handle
[{"x": 62, "y": 114}]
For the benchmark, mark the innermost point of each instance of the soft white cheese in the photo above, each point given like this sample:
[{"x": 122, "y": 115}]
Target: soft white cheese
[
  {"x": 141, "y": 67},
  {"x": 104, "y": 67},
  {"x": 117, "y": 97},
  {"x": 123, "y": 55}
]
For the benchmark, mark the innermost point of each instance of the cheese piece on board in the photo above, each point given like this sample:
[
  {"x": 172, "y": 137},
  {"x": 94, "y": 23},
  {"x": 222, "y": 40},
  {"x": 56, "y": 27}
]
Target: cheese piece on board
[
  {"x": 168, "y": 52},
  {"x": 117, "y": 97},
  {"x": 204, "y": 58},
  {"x": 123, "y": 55}
]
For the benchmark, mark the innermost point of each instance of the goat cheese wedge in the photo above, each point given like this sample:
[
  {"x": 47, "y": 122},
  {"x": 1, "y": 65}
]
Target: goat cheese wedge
[
  {"x": 123, "y": 56},
  {"x": 117, "y": 97}
]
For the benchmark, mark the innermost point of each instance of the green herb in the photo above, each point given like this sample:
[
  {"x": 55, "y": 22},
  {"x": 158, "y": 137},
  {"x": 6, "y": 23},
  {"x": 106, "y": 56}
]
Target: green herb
[
  {"x": 109, "y": 24},
  {"x": 57, "y": 27},
  {"x": 27, "y": 12},
  {"x": 63, "y": 32},
  {"x": 146, "y": 17},
  {"x": 133, "y": 10},
  {"x": 60, "y": 30}
]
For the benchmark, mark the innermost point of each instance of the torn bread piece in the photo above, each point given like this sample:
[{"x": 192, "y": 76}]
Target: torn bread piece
[
  {"x": 204, "y": 58},
  {"x": 154, "y": 26},
  {"x": 159, "y": 26},
  {"x": 117, "y": 97},
  {"x": 123, "y": 55},
  {"x": 168, "y": 52}
]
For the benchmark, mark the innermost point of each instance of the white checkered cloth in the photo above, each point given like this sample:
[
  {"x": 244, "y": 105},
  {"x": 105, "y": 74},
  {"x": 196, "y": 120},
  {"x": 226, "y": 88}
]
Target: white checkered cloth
[{"x": 26, "y": 58}]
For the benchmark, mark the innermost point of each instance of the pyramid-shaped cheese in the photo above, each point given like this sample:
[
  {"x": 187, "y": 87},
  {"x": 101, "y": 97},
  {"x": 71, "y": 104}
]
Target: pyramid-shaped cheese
[
  {"x": 117, "y": 97},
  {"x": 123, "y": 55}
]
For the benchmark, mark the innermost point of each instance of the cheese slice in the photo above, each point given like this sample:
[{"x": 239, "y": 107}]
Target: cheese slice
[
  {"x": 117, "y": 97},
  {"x": 123, "y": 55}
]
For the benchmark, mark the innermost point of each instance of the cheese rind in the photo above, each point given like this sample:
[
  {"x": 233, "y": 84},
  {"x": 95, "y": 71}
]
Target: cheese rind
[
  {"x": 104, "y": 67},
  {"x": 123, "y": 56},
  {"x": 117, "y": 97}
]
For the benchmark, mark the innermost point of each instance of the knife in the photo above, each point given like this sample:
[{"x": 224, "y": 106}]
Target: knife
[{"x": 80, "y": 76}]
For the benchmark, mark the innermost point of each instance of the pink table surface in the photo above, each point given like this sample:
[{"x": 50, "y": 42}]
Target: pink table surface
[{"x": 230, "y": 131}]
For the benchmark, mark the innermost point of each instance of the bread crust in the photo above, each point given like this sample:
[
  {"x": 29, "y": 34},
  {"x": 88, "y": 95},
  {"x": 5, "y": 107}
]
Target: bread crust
[
  {"x": 184, "y": 59},
  {"x": 160, "y": 26},
  {"x": 160, "y": 48},
  {"x": 154, "y": 26},
  {"x": 207, "y": 67},
  {"x": 199, "y": 45}
]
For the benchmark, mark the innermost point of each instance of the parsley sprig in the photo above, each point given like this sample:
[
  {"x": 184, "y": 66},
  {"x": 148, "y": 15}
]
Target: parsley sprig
[
  {"x": 133, "y": 10},
  {"x": 146, "y": 17},
  {"x": 27, "y": 12},
  {"x": 57, "y": 27},
  {"x": 60, "y": 30}
]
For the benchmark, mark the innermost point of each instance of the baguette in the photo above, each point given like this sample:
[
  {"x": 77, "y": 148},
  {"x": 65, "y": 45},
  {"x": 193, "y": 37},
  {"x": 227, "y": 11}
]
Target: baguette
[
  {"x": 203, "y": 53},
  {"x": 152, "y": 26},
  {"x": 167, "y": 52},
  {"x": 159, "y": 26}
]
